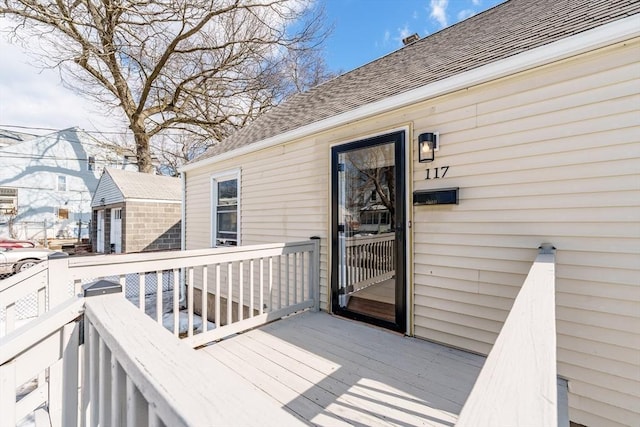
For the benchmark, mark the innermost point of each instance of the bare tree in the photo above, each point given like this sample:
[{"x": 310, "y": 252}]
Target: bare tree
[{"x": 200, "y": 67}]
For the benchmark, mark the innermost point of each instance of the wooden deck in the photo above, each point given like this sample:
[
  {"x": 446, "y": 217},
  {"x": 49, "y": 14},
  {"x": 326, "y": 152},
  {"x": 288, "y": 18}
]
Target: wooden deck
[{"x": 331, "y": 371}]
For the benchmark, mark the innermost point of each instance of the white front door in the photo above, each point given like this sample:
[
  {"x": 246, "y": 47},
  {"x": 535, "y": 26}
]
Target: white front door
[
  {"x": 116, "y": 230},
  {"x": 100, "y": 232}
]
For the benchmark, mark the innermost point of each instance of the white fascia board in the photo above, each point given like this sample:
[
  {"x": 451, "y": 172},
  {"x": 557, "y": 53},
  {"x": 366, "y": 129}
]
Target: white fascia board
[
  {"x": 152, "y": 201},
  {"x": 596, "y": 38}
]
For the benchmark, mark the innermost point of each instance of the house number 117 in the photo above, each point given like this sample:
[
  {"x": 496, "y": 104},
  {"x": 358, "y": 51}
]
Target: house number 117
[{"x": 435, "y": 173}]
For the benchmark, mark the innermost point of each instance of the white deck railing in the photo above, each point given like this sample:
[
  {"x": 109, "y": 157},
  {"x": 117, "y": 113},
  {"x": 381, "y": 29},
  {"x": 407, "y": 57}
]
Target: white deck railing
[
  {"x": 517, "y": 385},
  {"x": 129, "y": 364},
  {"x": 240, "y": 287},
  {"x": 370, "y": 260}
]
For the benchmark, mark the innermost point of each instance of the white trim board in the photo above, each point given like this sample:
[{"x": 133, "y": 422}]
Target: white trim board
[{"x": 602, "y": 36}]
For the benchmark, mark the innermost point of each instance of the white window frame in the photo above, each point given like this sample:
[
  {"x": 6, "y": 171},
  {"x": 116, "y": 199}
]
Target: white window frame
[
  {"x": 66, "y": 183},
  {"x": 214, "y": 180}
]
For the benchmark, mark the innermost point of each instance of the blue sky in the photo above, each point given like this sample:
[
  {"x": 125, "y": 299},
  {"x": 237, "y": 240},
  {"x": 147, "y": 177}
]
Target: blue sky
[{"x": 365, "y": 30}]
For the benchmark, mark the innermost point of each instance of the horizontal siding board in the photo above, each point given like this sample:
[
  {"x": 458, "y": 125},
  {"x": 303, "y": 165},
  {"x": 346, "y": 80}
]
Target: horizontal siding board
[
  {"x": 627, "y": 308},
  {"x": 483, "y": 304},
  {"x": 605, "y": 366},
  {"x": 607, "y": 351},
  {"x": 550, "y": 101},
  {"x": 600, "y": 328},
  {"x": 525, "y": 96},
  {"x": 607, "y": 322},
  {"x": 463, "y": 313},
  {"x": 575, "y": 247},
  {"x": 543, "y": 231},
  {"x": 436, "y": 335}
]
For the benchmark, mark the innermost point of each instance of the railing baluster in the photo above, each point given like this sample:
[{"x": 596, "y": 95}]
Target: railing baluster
[
  {"x": 94, "y": 346},
  {"x": 137, "y": 407},
  {"x": 123, "y": 283},
  {"x": 154, "y": 420},
  {"x": 118, "y": 394},
  {"x": 217, "y": 298},
  {"x": 176, "y": 302},
  {"x": 204, "y": 300},
  {"x": 142, "y": 292},
  {"x": 270, "y": 283},
  {"x": 10, "y": 318},
  {"x": 295, "y": 277},
  {"x": 42, "y": 301},
  {"x": 302, "y": 254},
  {"x": 159, "y": 296},
  {"x": 286, "y": 277},
  {"x": 279, "y": 282},
  {"x": 251, "y": 292},
  {"x": 261, "y": 308},
  {"x": 229, "y": 293},
  {"x": 104, "y": 382},
  {"x": 240, "y": 291},
  {"x": 190, "y": 302}
]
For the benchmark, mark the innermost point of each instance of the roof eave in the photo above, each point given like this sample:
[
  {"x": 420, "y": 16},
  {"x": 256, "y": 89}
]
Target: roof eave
[{"x": 602, "y": 36}]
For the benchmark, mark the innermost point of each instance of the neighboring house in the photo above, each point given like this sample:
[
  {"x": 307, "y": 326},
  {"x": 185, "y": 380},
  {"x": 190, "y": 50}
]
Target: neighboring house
[
  {"x": 46, "y": 184},
  {"x": 8, "y": 137},
  {"x": 536, "y": 108},
  {"x": 136, "y": 212}
]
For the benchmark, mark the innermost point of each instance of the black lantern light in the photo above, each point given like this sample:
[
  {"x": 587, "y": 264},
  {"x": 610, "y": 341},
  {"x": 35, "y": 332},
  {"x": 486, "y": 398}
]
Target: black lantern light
[{"x": 427, "y": 146}]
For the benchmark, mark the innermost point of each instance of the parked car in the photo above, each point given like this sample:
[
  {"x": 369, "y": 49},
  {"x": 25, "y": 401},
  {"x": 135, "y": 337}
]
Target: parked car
[
  {"x": 14, "y": 244},
  {"x": 19, "y": 259}
]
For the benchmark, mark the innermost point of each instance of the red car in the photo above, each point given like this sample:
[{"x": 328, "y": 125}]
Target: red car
[{"x": 15, "y": 244}]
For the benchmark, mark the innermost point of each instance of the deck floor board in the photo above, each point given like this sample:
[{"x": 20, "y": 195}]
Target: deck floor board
[{"x": 331, "y": 371}]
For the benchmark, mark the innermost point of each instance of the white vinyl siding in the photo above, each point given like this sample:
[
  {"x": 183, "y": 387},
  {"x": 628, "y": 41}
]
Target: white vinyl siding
[
  {"x": 547, "y": 155},
  {"x": 107, "y": 190}
]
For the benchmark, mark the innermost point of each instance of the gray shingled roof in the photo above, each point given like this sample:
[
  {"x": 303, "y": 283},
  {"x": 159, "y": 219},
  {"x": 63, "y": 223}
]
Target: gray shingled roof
[
  {"x": 137, "y": 185},
  {"x": 500, "y": 32}
]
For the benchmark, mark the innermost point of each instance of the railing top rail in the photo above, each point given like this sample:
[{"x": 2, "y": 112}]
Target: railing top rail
[
  {"x": 22, "y": 276},
  {"x": 16, "y": 342},
  {"x": 519, "y": 375},
  {"x": 86, "y": 267},
  {"x": 169, "y": 373}
]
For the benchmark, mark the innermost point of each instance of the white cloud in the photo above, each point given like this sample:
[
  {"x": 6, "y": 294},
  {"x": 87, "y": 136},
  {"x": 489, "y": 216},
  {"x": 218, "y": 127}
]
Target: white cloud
[
  {"x": 438, "y": 11},
  {"x": 32, "y": 97},
  {"x": 476, "y": 2},
  {"x": 465, "y": 13},
  {"x": 415, "y": 14}
]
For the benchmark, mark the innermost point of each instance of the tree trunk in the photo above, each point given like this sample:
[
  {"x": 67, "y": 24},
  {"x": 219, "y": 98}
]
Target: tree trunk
[{"x": 143, "y": 151}]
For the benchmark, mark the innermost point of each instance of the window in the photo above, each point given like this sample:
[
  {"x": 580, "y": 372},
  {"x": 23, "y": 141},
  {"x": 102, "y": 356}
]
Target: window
[
  {"x": 62, "y": 183},
  {"x": 225, "y": 198},
  {"x": 91, "y": 163},
  {"x": 62, "y": 213}
]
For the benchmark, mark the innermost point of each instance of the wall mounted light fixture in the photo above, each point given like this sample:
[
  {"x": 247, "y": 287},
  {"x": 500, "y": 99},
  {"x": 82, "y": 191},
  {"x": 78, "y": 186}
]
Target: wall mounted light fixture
[{"x": 427, "y": 146}]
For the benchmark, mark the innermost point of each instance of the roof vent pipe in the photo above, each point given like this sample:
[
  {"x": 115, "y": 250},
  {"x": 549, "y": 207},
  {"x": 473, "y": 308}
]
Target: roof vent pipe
[{"x": 410, "y": 39}]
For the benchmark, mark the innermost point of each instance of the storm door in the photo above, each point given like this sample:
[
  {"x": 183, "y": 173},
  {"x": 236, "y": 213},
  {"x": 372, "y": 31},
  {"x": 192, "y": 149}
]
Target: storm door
[{"x": 368, "y": 231}]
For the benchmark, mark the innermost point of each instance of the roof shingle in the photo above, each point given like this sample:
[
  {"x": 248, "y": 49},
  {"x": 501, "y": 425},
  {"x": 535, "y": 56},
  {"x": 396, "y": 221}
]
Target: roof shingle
[{"x": 136, "y": 185}]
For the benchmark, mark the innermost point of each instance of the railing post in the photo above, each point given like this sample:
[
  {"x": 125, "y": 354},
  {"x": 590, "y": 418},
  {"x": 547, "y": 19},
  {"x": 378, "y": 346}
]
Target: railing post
[
  {"x": 8, "y": 394},
  {"x": 57, "y": 278},
  {"x": 315, "y": 268}
]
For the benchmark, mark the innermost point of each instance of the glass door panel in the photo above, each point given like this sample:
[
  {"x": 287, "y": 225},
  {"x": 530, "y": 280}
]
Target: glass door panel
[{"x": 368, "y": 230}]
